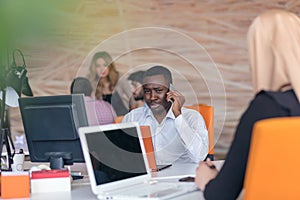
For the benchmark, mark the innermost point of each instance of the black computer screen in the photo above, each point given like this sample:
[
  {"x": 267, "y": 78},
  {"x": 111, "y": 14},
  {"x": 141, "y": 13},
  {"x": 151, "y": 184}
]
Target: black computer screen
[
  {"x": 115, "y": 154},
  {"x": 50, "y": 125}
]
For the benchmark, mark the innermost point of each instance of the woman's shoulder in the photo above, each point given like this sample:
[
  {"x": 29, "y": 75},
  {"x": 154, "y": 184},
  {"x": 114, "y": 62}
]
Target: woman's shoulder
[
  {"x": 287, "y": 93},
  {"x": 285, "y": 99},
  {"x": 268, "y": 103}
]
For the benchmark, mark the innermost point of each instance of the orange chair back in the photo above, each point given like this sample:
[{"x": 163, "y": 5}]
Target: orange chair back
[
  {"x": 147, "y": 139},
  {"x": 118, "y": 119},
  {"x": 273, "y": 163},
  {"x": 207, "y": 113}
]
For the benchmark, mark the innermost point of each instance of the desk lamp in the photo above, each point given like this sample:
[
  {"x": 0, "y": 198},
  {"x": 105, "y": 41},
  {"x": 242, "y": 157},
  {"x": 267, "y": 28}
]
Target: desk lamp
[{"x": 13, "y": 83}]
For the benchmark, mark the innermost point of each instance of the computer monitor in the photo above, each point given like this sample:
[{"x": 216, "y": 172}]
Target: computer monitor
[{"x": 51, "y": 124}]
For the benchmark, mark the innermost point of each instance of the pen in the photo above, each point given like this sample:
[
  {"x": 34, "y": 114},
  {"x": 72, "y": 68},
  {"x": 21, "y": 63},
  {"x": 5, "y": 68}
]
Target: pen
[{"x": 210, "y": 165}]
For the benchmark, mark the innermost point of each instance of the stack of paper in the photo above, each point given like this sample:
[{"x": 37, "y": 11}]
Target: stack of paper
[{"x": 50, "y": 181}]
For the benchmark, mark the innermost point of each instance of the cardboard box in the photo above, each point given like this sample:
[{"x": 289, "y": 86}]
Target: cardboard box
[
  {"x": 50, "y": 181},
  {"x": 15, "y": 185}
]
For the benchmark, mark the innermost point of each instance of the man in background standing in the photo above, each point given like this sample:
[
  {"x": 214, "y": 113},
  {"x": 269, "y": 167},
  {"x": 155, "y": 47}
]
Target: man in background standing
[{"x": 137, "y": 98}]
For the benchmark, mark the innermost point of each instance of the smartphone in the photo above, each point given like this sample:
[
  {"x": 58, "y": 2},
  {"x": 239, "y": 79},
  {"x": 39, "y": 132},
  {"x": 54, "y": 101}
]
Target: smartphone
[{"x": 172, "y": 88}]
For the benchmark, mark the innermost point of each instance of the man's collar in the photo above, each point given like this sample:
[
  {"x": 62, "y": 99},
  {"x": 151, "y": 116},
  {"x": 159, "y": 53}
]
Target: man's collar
[{"x": 147, "y": 110}]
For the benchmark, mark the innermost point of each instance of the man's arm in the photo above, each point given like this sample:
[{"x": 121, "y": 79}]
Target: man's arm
[
  {"x": 127, "y": 118},
  {"x": 134, "y": 115},
  {"x": 191, "y": 127}
]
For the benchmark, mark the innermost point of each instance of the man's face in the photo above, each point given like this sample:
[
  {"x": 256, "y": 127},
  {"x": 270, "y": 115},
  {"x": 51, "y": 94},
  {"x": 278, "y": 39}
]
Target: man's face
[
  {"x": 137, "y": 90},
  {"x": 155, "y": 93}
]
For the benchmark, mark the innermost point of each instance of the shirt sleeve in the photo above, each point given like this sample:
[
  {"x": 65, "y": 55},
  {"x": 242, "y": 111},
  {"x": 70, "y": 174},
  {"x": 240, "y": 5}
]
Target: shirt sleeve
[
  {"x": 134, "y": 115},
  {"x": 127, "y": 117},
  {"x": 229, "y": 181},
  {"x": 194, "y": 135}
]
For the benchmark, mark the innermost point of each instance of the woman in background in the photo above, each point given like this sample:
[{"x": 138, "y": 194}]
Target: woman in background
[
  {"x": 104, "y": 78},
  {"x": 274, "y": 53},
  {"x": 103, "y": 75}
]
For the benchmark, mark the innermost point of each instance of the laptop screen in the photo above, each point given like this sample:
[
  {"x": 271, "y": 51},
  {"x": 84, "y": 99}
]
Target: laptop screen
[{"x": 115, "y": 154}]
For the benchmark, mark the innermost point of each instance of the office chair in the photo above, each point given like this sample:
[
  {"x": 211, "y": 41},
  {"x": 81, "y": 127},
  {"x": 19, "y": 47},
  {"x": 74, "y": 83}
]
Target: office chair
[
  {"x": 118, "y": 119},
  {"x": 207, "y": 113},
  {"x": 147, "y": 139},
  {"x": 273, "y": 163}
]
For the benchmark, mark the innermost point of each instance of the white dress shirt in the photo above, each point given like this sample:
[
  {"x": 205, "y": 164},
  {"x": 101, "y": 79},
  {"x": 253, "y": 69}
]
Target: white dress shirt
[{"x": 181, "y": 139}]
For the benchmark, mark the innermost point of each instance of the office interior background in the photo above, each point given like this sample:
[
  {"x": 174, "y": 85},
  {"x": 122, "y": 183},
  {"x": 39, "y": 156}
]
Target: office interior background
[{"x": 202, "y": 41}]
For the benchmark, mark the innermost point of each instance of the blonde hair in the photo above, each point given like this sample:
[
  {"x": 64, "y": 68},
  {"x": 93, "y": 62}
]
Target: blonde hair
[
  {"x": 112, "y": 77},
  {"x": 274, "y": 51}
]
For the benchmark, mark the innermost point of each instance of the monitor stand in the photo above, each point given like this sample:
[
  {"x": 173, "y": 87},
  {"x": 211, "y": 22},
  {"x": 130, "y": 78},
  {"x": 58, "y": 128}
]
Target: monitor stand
[
  {"x": 56, "y": 163},
  {"x": 59, "y": 159}
]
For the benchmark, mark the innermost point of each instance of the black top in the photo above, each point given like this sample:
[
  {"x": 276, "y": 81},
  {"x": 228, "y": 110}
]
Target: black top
[
  {"x": 107, "y": 97},
  {"x": 229, "y": 181},
  {"x": 116, "y": 102}
]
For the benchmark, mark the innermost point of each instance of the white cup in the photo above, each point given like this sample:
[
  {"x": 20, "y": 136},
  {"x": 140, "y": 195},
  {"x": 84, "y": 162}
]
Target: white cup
[{"x": 18, "y": 162}]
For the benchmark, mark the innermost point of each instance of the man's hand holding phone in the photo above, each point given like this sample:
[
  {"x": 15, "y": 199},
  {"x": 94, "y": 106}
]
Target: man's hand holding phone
[{"x": 177, "y": 99}]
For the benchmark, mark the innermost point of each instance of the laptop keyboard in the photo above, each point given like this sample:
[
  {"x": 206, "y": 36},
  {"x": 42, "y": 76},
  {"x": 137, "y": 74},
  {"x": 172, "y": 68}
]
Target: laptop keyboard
[
  {"x": 157, "y": 190},
  {"x": 160, "y": 193}
]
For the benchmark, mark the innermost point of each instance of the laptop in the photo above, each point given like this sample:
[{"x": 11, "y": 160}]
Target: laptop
[{"x": 117, "y": 164}]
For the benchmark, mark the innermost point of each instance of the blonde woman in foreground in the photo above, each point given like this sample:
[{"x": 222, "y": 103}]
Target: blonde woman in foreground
[{"x": 274, "y": 54}]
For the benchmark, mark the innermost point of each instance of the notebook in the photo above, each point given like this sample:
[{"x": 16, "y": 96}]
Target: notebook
[{"x": 117, "y": 164}]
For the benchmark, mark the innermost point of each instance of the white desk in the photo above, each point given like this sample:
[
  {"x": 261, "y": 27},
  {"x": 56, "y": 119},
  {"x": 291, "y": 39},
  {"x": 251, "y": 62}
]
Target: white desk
[{"x": 82, "y": 190}]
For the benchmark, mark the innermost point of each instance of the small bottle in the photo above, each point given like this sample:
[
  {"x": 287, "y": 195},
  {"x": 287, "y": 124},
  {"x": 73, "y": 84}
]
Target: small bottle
[{"x": 18, "y": 161}]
